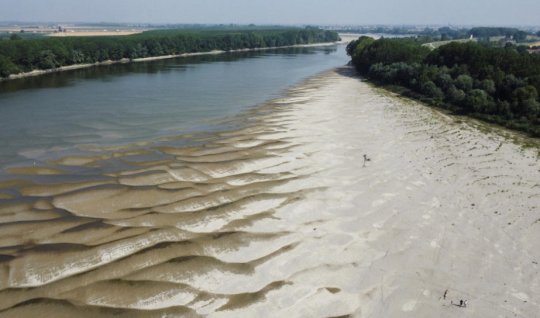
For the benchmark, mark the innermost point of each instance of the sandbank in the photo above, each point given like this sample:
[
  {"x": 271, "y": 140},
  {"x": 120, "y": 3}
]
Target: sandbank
[{"x": 284, "y": 218}]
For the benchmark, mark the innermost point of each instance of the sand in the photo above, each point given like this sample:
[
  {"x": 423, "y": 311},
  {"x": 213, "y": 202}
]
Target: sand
[
  {"x": 283, "y": 218},
  {"x": 93, "y": 33}
]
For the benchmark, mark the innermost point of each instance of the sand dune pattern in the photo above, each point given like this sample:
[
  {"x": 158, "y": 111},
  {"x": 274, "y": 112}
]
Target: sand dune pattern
[{"x": 280, "y": 217}]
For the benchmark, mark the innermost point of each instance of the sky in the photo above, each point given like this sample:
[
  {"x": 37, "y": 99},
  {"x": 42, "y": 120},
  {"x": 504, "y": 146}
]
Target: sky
[{"x": 320, "y": 12}]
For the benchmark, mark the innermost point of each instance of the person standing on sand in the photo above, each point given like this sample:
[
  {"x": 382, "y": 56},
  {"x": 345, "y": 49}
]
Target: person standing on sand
[{"x": 366, "y": 159}]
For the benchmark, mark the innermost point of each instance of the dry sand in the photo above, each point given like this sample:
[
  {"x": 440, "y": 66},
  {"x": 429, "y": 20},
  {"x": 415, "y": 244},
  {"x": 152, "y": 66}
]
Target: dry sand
[
  {"x": 282, "y": 219},
  {"x": 93, "y": 33}
]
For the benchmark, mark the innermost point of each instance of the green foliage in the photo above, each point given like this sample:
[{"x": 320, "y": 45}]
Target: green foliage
[
  {"x": 525, "y": 101},
  {"x": 7, "y": 67},
  {"x": 496, "y": 84},
  {"x": 489, "y": 86},
  {"x": 6, "y": 36},
  {"x": 47, "y": 60},
  {"x": 478, "y": 101},
  {"x": 485, "y": 32},
  {"x": 431, "y": 90},
  {"x": 357, "y": 46},
  {"x": 444, "y": 81},
  {"x": 464, "y": 82},
  {"x": 47, "y": 53},
  {"x": 455, "y": 95},
  {"x": 387, "y": 51}
]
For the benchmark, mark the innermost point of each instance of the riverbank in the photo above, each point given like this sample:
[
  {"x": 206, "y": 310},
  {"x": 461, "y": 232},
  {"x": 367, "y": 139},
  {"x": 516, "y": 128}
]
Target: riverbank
[
  {"x": 284, "y": 217},
  {"x": 430, "y": 219},
  {"x": 453, "y": 78},
  {"x": 516, "y": 125},
  {"x": 156, "y": 58}
]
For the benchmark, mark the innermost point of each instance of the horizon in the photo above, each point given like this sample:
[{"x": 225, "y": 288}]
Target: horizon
[
  {"x": 352, "y": 26},
  {"x": 279, "y": 12}
]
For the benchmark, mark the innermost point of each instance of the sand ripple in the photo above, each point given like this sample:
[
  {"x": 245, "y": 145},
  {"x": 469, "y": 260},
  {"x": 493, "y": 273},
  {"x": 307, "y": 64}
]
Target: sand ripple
[{"x": 281, "y": 217}]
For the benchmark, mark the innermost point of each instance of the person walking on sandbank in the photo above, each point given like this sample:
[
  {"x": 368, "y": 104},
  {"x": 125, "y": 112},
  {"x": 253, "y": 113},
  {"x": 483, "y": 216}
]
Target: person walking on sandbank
[{"x": 366, "y": 159}]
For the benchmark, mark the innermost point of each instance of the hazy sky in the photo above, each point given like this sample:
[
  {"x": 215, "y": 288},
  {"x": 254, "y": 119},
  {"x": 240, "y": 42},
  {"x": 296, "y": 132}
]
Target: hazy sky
[{"x": 484, "y": 12}]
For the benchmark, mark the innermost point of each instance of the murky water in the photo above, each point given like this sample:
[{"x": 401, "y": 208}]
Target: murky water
[
  {"x": 124, "y": 188},
  {"x": 44, "y": 117},
  {"x": 272, "y": 212}
]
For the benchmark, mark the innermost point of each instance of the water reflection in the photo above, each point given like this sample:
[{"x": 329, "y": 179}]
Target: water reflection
[
  {"x": 49, "y": 116},
  {"x": 105, "y": 72}
]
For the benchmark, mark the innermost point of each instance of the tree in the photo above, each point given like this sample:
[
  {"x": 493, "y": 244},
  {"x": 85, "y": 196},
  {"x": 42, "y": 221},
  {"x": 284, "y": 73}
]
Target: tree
[
  {"x": 477, "y": 100},
  {"x": 46, "y": 53},
  {"x": 430, "y": 89},
  {"x": 15, "y": 37},
  {"x": 488, "y": 86},
  {"x": 520, "y": 36},
  {"x": 477, "y": 79},
  {"x": 47, "y": 60},
  {"x": 455, "y": 96},
  {"x": 503, "y": 109},
  {"x": 508, "y": 85},
  {"x": 444, "y": 81},
  {"x": 7, "y": 67},
  {"x": 77, "y": 57},
  {"x": 524, "y": 101},
  {"x": 464, "y": 82}
]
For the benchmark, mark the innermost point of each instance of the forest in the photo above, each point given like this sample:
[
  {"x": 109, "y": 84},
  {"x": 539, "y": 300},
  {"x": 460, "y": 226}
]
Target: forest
[
  {"x": 498, "y": 85},
  {"x": 449, "y": 33},
  {"x": 23, "y": 55}
]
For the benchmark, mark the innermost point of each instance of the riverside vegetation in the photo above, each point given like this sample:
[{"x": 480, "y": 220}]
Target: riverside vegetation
[
  {"x": 499, "y": 85},
  {"x": 482, "y": 34},
  {"x": 19, "y": 55}
]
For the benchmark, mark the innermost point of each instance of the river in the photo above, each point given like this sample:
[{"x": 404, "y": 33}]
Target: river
[
  {"x": 258, "y": 185},
  {"x": 48, "y": 116},
  {"x": 112, "y": 170}
]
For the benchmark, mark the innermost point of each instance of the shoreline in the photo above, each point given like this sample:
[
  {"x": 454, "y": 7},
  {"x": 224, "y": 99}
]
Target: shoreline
[
  {"x": 156, "y": 58},
  {"x": 407, "y": 93},
  {"x": 285, "y": 210},
  {"x": 519, "y": 136}
]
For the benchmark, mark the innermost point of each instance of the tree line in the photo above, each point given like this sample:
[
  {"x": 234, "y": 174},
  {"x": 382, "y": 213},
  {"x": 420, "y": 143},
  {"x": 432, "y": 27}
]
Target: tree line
[
  {"x": 486, "y": 32},
  {"x": 18, "y": 55},
  {"x": 447, "y": 33},
  {"x": 500, "y": 85}
]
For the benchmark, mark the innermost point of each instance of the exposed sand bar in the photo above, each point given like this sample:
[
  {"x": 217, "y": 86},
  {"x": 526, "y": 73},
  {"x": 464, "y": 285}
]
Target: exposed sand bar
[
  {"x": 93, "y": 33},
  {"x": 155, "y": 58},
  {"x": 282, "y": 219}
]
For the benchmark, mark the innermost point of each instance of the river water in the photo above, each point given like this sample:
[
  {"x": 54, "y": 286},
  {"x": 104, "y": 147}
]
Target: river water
[
  {"x": 147, "y": 195},
  {"x": 144, "y": 169},
  {"x": 47, "y": 116}
]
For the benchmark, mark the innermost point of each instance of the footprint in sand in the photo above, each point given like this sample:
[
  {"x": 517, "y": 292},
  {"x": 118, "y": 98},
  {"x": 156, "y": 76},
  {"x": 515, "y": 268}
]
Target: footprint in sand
[{"x": 409, "y": 306}]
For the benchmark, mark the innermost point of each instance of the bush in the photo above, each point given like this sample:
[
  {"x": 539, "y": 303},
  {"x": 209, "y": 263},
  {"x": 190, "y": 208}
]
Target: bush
[
  {"x": 496, "y": 84},
  {"x": 431, "y": 90}
]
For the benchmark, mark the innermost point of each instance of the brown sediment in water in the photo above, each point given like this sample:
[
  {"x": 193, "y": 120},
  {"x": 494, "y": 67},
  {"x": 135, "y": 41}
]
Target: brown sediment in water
[{"x": 281, "y": 218}]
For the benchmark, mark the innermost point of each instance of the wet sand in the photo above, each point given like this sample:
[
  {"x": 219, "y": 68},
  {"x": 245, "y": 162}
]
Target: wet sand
[{"x": 282, "y": 218}]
